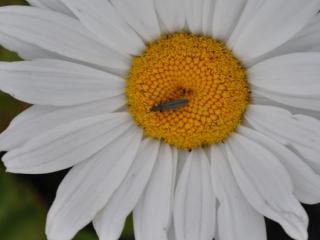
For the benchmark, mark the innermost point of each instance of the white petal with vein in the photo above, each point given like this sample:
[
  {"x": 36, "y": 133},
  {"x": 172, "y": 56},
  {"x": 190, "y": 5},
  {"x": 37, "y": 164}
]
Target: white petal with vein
[
  {"x": 55, "y": 5},
  {"x": 25, "y": 50},
  {"x": 110, "y": 221},
  {"x": 89, "y": 185},
  {"x": 305, "y": 181},
  {"x": 141, "y": 16},
  {"x": 171, "y": 14},
  {"x": 278, "y": 121},
  {"x": 101, "y": 18},
  {"x": 194, "y": 208},
  {"x": 266, "y": 185},
  {"x": 307, "y": 40},
  {"x": 67, "y": 37},
  {"x": 300, "y": 132},
  {"x": 31, "y": 113},
  {"x": 152, "y": 216},
  {"x": 289, "y": 79},
  {"x": 194, "y": 12},
  {"x": 261, "y": 31},
  {"x": 66, "y": 145},
  {"x": 225, "y": 17},
  {"x": 207, "y": 16},
  {"x": 236, "y": 218},
  {"x": 40, "y": 119},
  {"x": 304, "y": 103},
  {"x": 59, "y": 83},
  {"x": 291, "y": 75}
]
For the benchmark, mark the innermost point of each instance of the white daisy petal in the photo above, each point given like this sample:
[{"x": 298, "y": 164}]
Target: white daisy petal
[
  {"x": 307, "y": 40},
  {"x": 266, "y": 185},
  {"x": 59, "y": 83},
  {"x": 55, "y": 5},
  {"x": 293, "y": 76},
  {"x": 194, "y": 208},
  {"x": 297, "y": 131},
  {"x": 110, "y": 222},
  {"x": 152, "y": 215},
  {"x": 225, "y": 17},
  {"x": 280, "y": 122},
  {"x": 304, "y": 103},
  {"x": 310, "y": 154},
  {"x": 66, "y": 145},
  {"x": 261, "y": 31},
  {"x": 306, "y": 183},
  {"x": 89, "y": 185},
  {"x": 236, "y": 218},
  {"x": 100, "y": 17},
  {"x": 31, "y": 113},
  {"x": 38, "y": 120},
  {"x": 171, "y": 234},
  {"x": 171, "y": 14},
  {"x": 207, "y": 16},
  {"x": 30, "y": 25},
  {"x": 247, "y": 12},
  {"x": 24, "y": 50},
  {"x": 182, "y": 158},
  {"x": 193, "y": 12},
  {"x": 260, "y": 100},
  {"x": 141, "y": 16}
]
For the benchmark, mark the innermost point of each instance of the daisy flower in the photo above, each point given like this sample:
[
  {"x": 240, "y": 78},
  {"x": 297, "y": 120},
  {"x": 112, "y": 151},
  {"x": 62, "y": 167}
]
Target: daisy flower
[{"x": 199, "y": 116}]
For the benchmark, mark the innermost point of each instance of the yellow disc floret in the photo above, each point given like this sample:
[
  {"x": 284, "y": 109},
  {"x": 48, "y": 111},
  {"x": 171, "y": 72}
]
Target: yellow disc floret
[{"x": 198, "y": 71}]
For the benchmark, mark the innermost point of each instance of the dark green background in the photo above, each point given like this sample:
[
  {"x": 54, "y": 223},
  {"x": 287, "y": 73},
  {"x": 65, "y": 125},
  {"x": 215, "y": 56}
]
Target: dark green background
[{"x": 25, "y": 199}]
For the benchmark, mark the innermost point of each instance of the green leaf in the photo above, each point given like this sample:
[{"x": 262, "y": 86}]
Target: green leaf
[
  {"x": 9, "y": 108},
  {"x": 22, "y": 213},
  {"x": 128, "y": 229},
  {"x": 12, "y": 2},
  {"x": 86, "y": 235}
]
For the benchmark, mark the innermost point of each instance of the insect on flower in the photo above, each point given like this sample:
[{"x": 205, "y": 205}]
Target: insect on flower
[{"x": 167, "y": 106}]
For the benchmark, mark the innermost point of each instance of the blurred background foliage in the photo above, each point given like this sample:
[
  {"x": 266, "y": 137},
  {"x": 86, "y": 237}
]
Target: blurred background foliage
[{"x": 25, "y": 199}]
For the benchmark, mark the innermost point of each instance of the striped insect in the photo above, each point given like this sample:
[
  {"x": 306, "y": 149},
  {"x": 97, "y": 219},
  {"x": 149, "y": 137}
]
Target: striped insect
[{"x": 167, "y": 106}]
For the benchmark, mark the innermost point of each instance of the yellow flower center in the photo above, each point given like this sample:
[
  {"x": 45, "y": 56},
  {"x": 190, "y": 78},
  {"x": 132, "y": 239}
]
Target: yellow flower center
[{"x": 187, "y": 90}]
